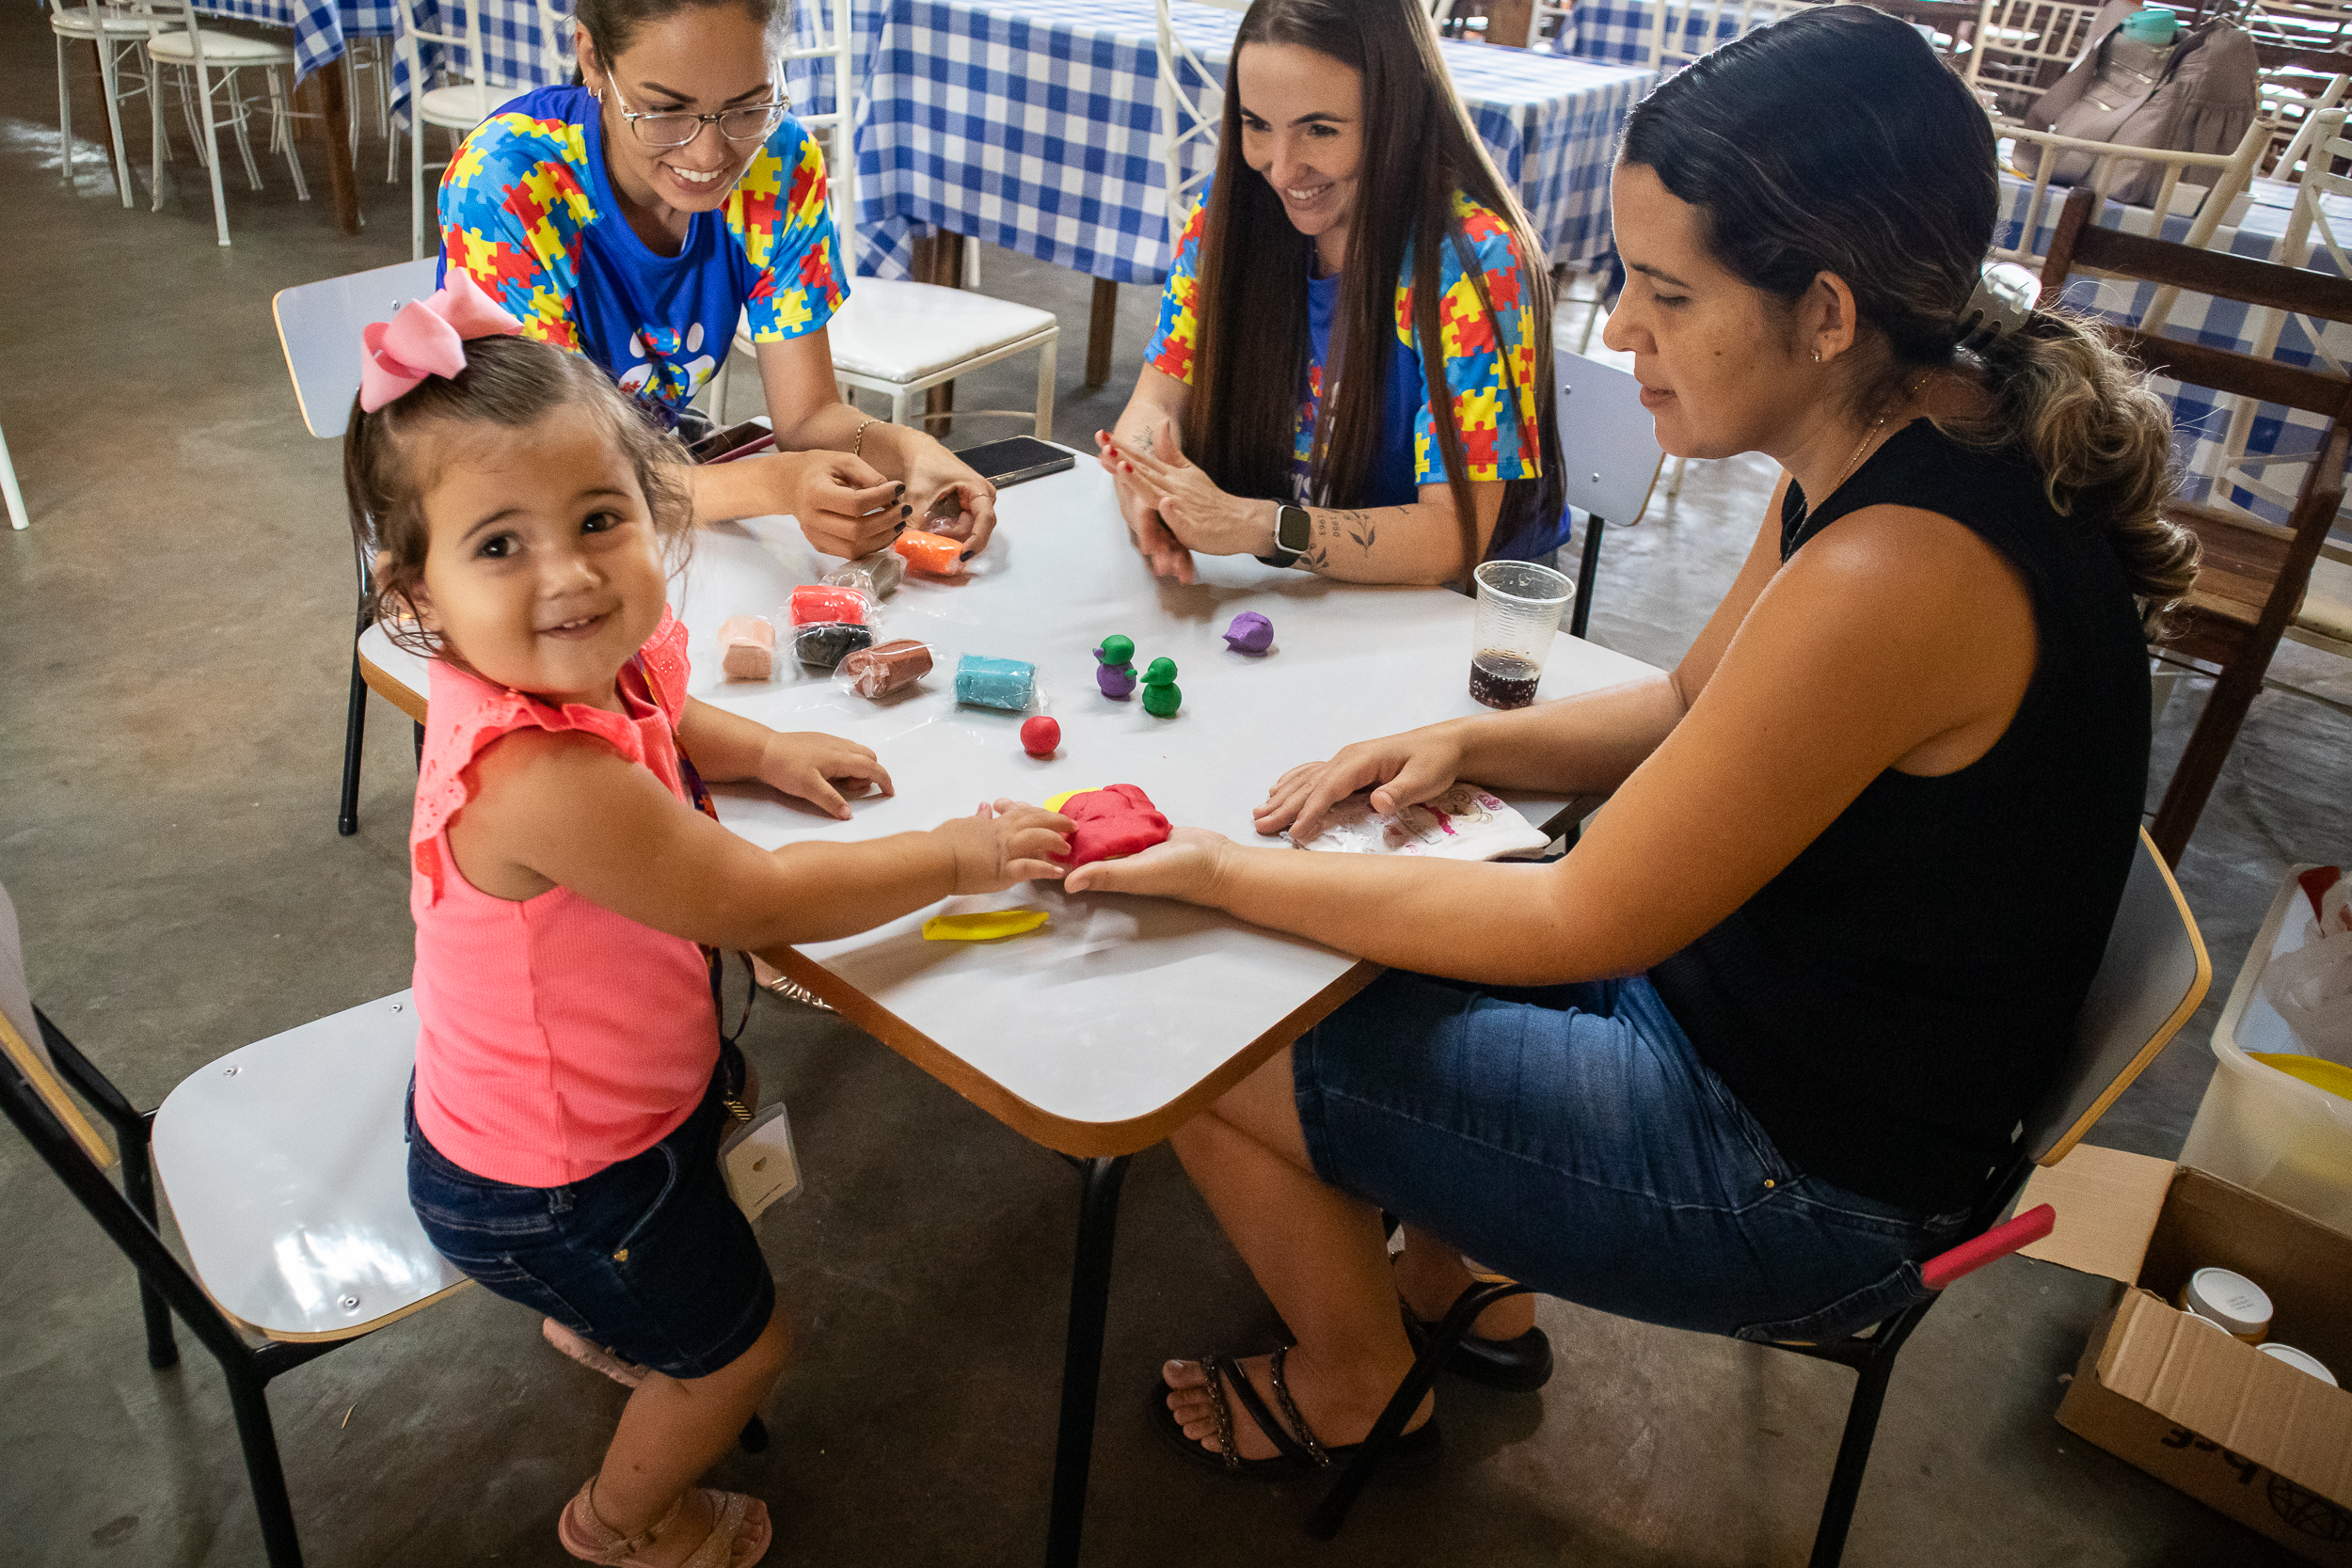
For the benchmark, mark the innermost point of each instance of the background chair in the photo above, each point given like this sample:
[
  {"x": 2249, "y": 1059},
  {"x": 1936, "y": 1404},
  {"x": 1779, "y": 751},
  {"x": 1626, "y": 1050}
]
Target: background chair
[
  {"x": 2203, "y": 184},
  {"x": 892, "y": 336},
  {"x": 1614, "y": 464},
  {"x": 18, "y": 517},
  {"x": 114, "y": 34},
  {"x": 318, "y": 327},
  {"x": 2254, "y": 573},
  {"x": 2154, "y": 974},
  {"x": 456, "y": 106},
  {"x": 199, "y": 54},
  {"x": 2023, "y": 46}
]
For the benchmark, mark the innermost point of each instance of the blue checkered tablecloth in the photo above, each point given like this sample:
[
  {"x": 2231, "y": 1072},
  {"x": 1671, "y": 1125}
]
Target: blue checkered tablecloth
[
  {"x": 513, "y": 44},
  {"x": 2201, "y": 418},
  {"x": 1617, "y": 31},
  {"x": 319, "y": 26},
  {"x": 1032, "y": 128}
]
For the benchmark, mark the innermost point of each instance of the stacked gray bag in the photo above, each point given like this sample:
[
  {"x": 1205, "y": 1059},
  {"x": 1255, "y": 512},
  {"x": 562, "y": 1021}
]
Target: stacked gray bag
[{"x": 2197, "y": 96}]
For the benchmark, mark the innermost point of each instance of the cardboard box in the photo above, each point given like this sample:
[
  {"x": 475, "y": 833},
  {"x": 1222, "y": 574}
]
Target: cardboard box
[{"x": 2261, "y": 1441}]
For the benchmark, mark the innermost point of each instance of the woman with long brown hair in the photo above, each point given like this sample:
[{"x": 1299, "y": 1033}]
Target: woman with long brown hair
[
  {"x": 1756, "y": 1047},
  {"x": 1302, "y": 400}
]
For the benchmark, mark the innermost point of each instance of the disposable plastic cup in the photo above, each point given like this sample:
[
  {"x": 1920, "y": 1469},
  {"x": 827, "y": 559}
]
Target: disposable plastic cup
[{"x": 1518, "y": 611}]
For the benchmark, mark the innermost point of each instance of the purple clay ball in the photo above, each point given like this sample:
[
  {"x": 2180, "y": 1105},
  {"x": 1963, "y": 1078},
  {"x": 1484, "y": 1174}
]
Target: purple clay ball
[
  {"x": 1117, "y": 681},
  {"x": 1250, "y": 633}
]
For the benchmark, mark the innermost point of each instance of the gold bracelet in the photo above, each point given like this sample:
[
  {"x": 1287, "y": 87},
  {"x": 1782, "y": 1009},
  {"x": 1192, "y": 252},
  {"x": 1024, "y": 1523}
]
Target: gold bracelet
[{"x": 857, "y": 442}]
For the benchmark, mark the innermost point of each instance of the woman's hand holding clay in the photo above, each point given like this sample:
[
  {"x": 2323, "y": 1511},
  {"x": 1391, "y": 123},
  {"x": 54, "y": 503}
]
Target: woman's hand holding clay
[
  {"x": 1186, "y": 867},
  {"x": 1407, "y": 769}
]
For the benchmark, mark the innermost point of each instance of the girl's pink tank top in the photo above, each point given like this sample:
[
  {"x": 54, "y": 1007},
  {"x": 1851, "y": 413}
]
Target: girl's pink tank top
[{"x": 555, "y": 1037}]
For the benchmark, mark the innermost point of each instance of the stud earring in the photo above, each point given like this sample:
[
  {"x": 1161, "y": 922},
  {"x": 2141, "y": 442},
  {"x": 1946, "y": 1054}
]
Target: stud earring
[{"x": 1817, "y": 355}]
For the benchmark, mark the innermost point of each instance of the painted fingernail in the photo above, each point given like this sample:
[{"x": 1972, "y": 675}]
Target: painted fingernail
[
  {"x": 900, "y": 529},
  {"x": 967, "y": 555},
  {"x": 902, "y": 489},
  {"x": 906, "y": 512}
]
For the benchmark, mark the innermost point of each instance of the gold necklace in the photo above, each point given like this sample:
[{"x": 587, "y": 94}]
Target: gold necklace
[{"x": 1805, "y": 509}]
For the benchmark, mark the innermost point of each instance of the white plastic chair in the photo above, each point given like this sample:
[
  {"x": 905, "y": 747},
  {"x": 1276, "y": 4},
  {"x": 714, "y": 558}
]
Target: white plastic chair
[
  {"x": 173, "y": 39},
  {"x": 1612, "y": 459},
  {"x": 2016, "y": 42},
  {"x": 893, "y": 336},
  {"x": 318, "y": 327},
  {"x": 114, "y": 34},
  {"x": 456, "y": 106}
]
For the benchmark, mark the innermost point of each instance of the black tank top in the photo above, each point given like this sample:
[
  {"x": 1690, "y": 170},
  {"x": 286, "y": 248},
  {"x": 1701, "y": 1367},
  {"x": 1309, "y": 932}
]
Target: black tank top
[{"x": 1895, "y": 1000}]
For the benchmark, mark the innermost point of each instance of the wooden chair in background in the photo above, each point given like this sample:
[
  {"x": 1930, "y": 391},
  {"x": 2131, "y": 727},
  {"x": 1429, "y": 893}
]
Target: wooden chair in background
[{"x": 2254, "y": 573}]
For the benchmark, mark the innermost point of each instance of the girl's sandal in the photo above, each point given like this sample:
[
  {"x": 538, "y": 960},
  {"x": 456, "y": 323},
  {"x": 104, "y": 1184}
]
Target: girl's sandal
[
  {"x": 738, "y": 1539},
  {"x": 1297, "y": 1448},
  {"x": 628, "y": 1374}
]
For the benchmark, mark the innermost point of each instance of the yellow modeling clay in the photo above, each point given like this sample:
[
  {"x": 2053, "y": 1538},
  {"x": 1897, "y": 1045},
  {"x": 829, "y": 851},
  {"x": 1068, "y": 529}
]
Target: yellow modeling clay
[
  {"x": 985, "y": 926},
  {"x": 1054, "y": 802}
]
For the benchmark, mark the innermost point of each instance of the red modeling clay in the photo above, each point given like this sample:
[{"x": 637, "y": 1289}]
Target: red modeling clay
[
  {"x": 1040, "y": 736},
  {"x": 1120, "y": 820},
  {"x": 814, "y": 604},
  {"x": 935, "y": 553}
]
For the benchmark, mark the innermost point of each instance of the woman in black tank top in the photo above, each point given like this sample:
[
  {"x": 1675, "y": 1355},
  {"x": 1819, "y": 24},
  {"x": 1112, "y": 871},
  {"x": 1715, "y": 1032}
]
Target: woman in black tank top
[{"x": 1749, "y": 1052}]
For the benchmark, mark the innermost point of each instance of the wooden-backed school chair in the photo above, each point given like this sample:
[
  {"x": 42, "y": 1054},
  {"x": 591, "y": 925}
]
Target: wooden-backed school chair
[
  {"x": 1614, "y": 462},
  {"x": 2254, "y": 573},
  {"x": 2152, "y": 978},
  {"x": 319, "y": 327}
]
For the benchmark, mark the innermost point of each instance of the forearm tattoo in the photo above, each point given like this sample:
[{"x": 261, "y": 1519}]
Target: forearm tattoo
[{"x": 1330, "y": 530}]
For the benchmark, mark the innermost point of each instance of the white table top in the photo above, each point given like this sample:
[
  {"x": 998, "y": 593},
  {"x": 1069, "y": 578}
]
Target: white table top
[{"x": 1121, "y": 1005}]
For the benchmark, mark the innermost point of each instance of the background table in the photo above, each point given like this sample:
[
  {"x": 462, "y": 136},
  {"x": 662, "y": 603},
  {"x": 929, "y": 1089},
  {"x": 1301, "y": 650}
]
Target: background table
[
  {"x": 1124, "y": 1016},
  {"x": 1034, "y": 129}
]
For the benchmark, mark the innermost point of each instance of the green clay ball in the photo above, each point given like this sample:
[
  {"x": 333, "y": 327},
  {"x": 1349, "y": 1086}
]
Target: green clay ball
[
  {"x": 1162, "y": 673},
  {"x": 1117, "y": 649},
  {"x": 1160, "y": 699}
]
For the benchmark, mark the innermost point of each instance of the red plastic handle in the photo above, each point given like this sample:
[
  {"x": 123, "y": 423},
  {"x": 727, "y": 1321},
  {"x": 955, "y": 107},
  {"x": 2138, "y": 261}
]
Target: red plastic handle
[{"x": 1999, "y": 1242}]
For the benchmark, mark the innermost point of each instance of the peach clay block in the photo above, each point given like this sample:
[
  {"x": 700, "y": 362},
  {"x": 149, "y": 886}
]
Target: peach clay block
[
  {"x": 747, "y": 648},
  {"x": 1120, "y": 820},
  {"x": 892, "y": 667},
  {"x": 935, "y": 553}
]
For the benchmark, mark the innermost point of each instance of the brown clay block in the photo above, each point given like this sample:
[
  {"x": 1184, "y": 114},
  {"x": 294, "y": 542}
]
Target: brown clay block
[
  {"x": 879, "y": 672},
  {"x": 747, "y": 647}
]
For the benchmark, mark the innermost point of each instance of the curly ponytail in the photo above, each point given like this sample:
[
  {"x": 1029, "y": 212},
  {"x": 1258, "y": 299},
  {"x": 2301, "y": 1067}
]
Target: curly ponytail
[{"x": 1836, "y": 141}]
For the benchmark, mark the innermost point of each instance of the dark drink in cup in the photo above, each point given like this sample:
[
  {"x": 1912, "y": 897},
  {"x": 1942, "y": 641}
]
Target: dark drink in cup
[{"x": 1503, "y": 680}]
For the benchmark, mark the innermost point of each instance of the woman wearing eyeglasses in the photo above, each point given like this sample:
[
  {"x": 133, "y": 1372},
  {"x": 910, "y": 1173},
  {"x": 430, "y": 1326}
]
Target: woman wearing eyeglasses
[{"x": 633, "y": 218}]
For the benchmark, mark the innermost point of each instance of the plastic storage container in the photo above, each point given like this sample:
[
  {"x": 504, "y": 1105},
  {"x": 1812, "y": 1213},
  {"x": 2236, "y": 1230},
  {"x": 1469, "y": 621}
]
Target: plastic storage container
[{"x": 2259, "y": 1127}]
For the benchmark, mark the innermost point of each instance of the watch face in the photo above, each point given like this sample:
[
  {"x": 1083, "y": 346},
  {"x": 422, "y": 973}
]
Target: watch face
[{"x": 1292, "y": 529}]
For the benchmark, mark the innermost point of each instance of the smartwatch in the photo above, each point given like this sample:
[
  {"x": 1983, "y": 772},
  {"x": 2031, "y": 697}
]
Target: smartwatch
[{"x": 1293, "y": 530}]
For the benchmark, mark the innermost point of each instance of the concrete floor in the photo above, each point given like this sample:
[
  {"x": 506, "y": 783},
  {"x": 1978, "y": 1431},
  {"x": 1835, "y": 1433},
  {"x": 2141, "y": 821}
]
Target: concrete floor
[{"x": 172, "y": 631}]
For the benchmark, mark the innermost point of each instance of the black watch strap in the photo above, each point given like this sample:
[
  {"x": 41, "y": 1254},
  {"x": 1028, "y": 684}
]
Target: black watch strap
[{"x": 1291, "y": 523}]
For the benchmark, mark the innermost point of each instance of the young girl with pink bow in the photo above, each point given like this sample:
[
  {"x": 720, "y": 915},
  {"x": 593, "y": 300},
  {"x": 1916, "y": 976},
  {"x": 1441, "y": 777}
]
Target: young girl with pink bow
[{"x": 571, "y": 1086}]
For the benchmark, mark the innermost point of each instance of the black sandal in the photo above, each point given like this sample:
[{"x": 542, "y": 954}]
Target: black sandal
[
  {"x": 1303, "y": 1453},
  {"x": 1519, "y": 1365}
]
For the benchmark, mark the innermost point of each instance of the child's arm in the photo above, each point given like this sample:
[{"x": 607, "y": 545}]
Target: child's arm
[
  {"x": 728, "y": 746},
  {"x": 563, "y": 809}
]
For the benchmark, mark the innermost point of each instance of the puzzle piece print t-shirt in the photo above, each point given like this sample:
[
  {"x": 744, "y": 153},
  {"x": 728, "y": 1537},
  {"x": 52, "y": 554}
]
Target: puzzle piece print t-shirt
[{"x": 528, "y": 210}]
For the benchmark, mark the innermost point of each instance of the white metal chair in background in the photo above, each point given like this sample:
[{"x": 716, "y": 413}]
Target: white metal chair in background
[
  {"x": 1191, "y": 111},
  {"x": 893, "y": 336},
  {"x": 319, "y": 327},
  {"x": 2023, "y": 45},
  {"x": 114, "y": 34},
  {"x": 456, "y": 106},
  {"x": 2204, "y": 184},
  {"x": 211, "y": 60}
]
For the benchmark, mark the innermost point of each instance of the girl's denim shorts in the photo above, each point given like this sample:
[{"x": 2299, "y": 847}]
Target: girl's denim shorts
[
  {"x": 649, "y": 1256},
  {"x": 1570, "y": 1137}
]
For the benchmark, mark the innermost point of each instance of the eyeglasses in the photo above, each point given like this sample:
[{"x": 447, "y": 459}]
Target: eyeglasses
[{"x": 750, "y": 123}]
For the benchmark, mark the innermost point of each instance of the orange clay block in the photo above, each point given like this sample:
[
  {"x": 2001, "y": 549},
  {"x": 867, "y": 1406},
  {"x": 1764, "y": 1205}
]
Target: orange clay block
[
  {"x": 935, "y": 553},
  {"x": 814, "y": 604},
  {"x": 747, "y": 646}
]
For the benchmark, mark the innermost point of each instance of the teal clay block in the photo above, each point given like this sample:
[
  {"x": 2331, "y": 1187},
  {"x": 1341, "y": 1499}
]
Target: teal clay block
[{"x": 1005, "y": 683}]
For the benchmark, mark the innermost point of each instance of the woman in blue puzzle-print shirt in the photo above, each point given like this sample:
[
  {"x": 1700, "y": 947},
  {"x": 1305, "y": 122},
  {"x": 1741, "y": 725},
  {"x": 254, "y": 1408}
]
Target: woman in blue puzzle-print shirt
[
  {"x": 1355, "y": 220},
  {"x": 633, "y": 218}
]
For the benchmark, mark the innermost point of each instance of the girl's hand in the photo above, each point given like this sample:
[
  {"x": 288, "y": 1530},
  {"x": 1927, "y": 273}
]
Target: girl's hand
[
  {"x": 809, "y": 764},
  {"x": 1195, "y": 511},
  {"x": 949, "y": 498},
  {"x": 843, "y": 505},
  {"x": 1410, "y": 769},
  {"x": 1186, "y": 867},
  {"x": 1146, "y": 530},
  {"x": 1004, "y": 843}
]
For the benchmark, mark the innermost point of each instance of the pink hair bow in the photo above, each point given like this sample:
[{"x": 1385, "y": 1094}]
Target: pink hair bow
[{"x": 427, "y": 337}]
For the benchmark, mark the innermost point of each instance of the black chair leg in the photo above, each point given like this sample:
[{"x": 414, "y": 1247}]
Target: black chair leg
[
  {"x": 419, "y": 740},
  {"x": 248, "y": 1397},
  {"x": 1588, "y": 566},
  {"x": 1331, "y": 1512},
  {"x": 1082, "y": 1354},
  {"x": 1853, "y": 1450},
  {"x": 354, "y": 731},
  {"x": 138, "y": 1186}
]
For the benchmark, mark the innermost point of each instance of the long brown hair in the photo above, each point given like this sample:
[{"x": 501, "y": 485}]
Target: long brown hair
[
  {"x": 1250, "y": 341},
  {"x": 1835, "y": 141}
]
